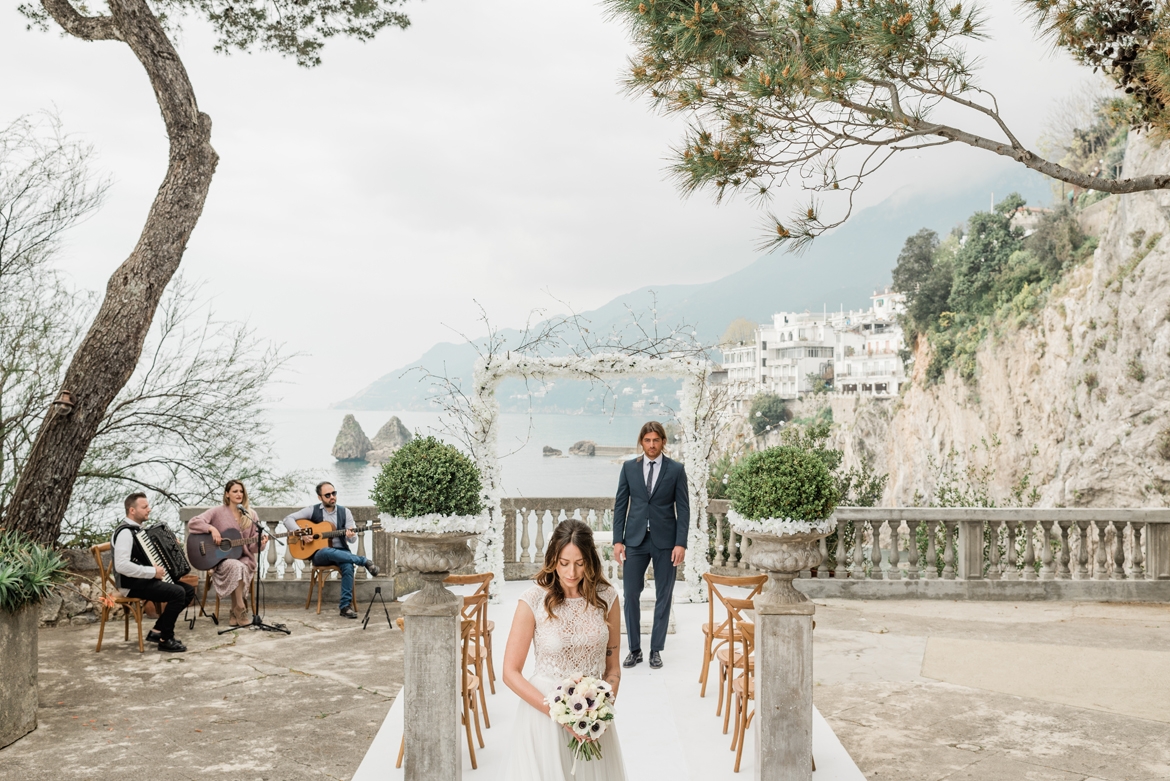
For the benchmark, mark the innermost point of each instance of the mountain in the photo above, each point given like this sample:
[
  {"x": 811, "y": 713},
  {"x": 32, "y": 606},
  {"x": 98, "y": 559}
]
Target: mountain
[{"x": 840, "y": 269}]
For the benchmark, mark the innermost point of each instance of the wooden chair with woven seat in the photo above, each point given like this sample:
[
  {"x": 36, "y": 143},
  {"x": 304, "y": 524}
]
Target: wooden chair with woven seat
[
  {"x": 728, "y": 655},
  {"x": 469, "y": 685},
  {"x": 483, "y": 582},
  {"x": 717, "y": 635},
  {"x": 131, "y": 606},
  {"x": 317, "y": 578}
]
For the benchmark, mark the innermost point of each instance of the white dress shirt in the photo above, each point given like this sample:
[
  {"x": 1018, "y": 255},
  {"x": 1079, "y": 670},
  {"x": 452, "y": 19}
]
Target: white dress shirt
[
  {"x": 123, "y": 548},
  {"x": 646, "y": 462}
]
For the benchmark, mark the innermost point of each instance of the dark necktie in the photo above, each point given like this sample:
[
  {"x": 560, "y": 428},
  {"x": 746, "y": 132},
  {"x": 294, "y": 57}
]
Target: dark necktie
[{"x": 650, "y": 480}]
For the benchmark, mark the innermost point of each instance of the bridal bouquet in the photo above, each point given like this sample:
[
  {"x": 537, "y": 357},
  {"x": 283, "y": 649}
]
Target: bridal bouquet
[{"x": 585, "y": 705}]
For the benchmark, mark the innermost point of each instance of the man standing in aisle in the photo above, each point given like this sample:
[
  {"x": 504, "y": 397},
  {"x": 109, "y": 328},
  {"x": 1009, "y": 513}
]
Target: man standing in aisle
[
  {"x": 650, "y": 519},
  {"x": 338, "y": 553}
]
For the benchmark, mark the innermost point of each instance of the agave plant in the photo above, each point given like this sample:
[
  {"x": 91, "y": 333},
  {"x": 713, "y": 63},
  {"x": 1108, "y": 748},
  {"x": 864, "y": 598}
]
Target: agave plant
[{"x": 28, "y": 571}]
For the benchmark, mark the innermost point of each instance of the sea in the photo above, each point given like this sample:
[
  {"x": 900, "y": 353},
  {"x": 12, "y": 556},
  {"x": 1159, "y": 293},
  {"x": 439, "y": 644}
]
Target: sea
[{"x": 303, "y": 441}]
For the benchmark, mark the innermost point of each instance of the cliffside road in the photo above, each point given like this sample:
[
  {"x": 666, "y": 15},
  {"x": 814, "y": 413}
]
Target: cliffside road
[
  {"x": 256, "y": 705},
  {"x": 925, "y": 691}
]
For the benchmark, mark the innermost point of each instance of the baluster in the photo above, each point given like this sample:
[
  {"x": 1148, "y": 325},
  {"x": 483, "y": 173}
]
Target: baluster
[
  {"x": 1082, "y": 572},
  {"x": 931, "y": 552},
  {"x": 361, "y": 551},
  {"x": 1047, "y": 570},
  {"x": 949, "y": 528},
  {"x": 522, "y": 519},
  {"x": 720, "y": 544},
  {"x": 840, "y": 569},
  {"x": 1029, "y": 550},
  {"x": 823, "y": 569},
  {"x": 538, "y": 554},
  {"x": 1062, "y": 572},
  {"x": 1011, "y": 572},
  {"x": 290, "y": 562},
  {"x": 1100, "y": 573},
  {"x": 745, "y": 558},
  {"x": 993, "y": 572},
  {"x": 858, "y": 572},
  {"x": 271, "y": 557},
  {"x": 1118, "y": 551},
  {"x": 912, "y": 550},
  {"x": 875, "y": 550},
  {"x": 1137, "y": 559}
]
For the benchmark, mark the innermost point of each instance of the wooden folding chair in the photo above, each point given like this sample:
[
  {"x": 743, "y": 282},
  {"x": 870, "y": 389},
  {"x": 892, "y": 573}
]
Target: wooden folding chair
[
  {"x": 131, "y": 606},
  {"x": 729, "y": 655},
  {"x": 317, "y": 578},
  {"x": 717, "y": 635},
  {"x": 483, "y": 631}
]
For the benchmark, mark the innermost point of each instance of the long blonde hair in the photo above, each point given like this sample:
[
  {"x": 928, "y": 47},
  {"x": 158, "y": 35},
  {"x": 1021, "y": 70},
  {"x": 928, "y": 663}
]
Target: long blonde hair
[
  {"x": 246, "y": 521},
  {"x": 571, "y": 532}
]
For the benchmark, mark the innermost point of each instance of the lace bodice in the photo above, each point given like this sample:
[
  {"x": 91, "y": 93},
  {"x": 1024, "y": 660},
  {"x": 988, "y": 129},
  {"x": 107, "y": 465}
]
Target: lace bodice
[{"x": 574, "y": 642}]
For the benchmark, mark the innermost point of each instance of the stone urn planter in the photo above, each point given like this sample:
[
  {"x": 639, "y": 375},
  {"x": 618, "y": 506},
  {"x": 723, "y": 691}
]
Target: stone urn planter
[
  {"x": 429, "y": 497},
  {"x": 782, "y": 500}
]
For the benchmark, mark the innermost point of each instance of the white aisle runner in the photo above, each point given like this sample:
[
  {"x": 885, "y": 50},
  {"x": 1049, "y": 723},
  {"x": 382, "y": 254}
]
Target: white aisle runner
[{"x": 666, "y": 729}]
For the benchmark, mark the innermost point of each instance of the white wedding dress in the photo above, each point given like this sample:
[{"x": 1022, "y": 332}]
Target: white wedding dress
[{"x": 571, "y": 644}]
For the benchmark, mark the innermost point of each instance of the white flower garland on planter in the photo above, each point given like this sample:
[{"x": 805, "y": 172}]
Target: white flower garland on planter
[
  {"x": 485, "y": 410},
  {"x": 778, "y": 526},
  {"x": 435, "y": 523}
]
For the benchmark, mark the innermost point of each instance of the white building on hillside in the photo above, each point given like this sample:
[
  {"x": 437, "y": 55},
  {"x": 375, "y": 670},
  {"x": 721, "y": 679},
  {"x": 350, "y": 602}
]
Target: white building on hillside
[{"x": 855, "y": 352}]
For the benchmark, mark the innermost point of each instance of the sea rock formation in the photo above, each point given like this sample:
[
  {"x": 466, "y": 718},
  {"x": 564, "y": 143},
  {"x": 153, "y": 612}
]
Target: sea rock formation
[
  {"x": 551, "y": 451},
  {"x": 351, "y": 444},
  {"x": 386, "y": 442},
  {"x": 586, "y": 447},
  {"x": 1076, "y": 400}
]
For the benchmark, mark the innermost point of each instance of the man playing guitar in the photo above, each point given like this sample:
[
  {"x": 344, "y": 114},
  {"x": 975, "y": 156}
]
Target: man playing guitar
[{"x": 337, "y": 554}]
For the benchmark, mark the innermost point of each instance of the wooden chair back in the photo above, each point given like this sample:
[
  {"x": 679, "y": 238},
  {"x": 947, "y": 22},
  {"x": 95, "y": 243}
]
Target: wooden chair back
[
  {"x": 475, "y": 610},
  {"x": 107, "y": 575},
  {"x": 466, "y": 628},
  {"x": 714, "y": 594}
]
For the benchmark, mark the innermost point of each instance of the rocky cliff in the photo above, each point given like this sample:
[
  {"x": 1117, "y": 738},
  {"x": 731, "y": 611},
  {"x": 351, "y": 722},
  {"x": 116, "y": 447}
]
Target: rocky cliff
[
  {"x": 351, "y": 444},
  {"x": 1077, "y": 399}
]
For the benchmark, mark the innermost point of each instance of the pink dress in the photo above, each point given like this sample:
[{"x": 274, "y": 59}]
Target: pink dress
[{"x": 229, "y": 573}]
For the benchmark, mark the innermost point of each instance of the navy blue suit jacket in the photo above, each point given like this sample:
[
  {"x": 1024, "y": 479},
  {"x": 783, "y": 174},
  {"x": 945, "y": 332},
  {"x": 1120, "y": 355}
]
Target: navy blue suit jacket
[{"x": 667, "y": 512}]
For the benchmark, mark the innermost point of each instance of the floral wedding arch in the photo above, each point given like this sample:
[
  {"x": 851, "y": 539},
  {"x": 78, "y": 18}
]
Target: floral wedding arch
[{"x": 695, "y": 417}]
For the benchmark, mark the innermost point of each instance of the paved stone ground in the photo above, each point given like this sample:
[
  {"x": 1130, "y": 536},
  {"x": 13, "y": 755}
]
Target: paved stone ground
[
  {"x": 249, "y": 705},
  {"x": 1063, "y": 720},
  {"x": 1016, "y": 691}
]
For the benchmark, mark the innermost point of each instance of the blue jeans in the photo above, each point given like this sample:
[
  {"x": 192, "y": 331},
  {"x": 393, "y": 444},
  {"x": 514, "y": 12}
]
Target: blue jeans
[{"x": 344, "y": 561}]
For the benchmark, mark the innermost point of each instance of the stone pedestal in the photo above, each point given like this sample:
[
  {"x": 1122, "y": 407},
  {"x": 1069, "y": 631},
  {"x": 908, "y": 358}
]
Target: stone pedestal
[
  {"x": 784, "y": 676},
  {"x": 18, "y": 682},
  {"x": 431, "y": 688}
]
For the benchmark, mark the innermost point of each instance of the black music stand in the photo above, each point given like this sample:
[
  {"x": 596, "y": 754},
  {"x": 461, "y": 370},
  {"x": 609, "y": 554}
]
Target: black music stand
[{"x": 257, "y": 622}]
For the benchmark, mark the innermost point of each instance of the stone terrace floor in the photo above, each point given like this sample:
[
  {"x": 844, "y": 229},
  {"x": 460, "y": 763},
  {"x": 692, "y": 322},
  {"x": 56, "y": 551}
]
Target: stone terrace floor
[{"x": 915, "y": 690}]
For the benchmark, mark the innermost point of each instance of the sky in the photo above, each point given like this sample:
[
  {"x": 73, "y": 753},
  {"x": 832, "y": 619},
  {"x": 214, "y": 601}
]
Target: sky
[{"x": 486, "y": 154}]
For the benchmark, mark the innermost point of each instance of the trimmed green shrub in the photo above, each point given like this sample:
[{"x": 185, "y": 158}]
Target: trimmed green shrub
[
  {"x": 428, "y": 476},
  {"x": 28, "y": 572},
  {"x": 783, "y": 482}
]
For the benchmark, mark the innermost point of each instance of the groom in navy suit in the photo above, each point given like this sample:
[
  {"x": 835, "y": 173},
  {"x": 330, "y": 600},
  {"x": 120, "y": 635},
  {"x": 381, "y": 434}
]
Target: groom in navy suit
[{"x": 651, "y": 516}]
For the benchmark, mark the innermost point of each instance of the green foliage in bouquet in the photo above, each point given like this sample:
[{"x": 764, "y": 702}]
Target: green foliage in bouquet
[
  {"x": 783, "y": 482},
  {"x": 427, "y": 476},
  {"x": 28, "y": 572}
]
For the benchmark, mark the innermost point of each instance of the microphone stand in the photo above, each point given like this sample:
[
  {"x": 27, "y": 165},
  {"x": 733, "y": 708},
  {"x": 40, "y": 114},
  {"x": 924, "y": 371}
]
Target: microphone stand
[{"x": 257, "y": 622}]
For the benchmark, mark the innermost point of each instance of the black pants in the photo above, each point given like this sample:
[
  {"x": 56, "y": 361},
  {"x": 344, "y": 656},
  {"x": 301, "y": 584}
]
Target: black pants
[
  {"x": 633, "y": 578},
  {"x": 176, "y": 595}
]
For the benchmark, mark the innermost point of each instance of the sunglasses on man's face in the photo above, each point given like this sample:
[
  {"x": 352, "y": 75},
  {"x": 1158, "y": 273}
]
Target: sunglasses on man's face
[{"x": 329, "y": 495}]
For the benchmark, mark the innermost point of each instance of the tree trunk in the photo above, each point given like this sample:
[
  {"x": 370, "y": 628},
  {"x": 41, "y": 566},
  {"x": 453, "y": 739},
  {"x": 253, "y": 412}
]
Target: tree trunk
[{"x": 109, "y": 353}]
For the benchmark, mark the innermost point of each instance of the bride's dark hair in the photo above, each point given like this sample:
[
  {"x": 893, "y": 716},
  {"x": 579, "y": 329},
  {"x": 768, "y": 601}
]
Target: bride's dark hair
[{"x": 571, "y": 532}]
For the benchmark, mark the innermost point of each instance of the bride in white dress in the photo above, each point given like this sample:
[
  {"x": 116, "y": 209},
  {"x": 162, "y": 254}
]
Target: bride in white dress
[{"x": 571, "y": 619}]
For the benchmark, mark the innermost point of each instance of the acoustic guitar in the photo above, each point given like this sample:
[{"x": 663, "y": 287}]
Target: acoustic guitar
[
  {"x": 318, "y": 535},
  {"x": 204, "y": 553}
]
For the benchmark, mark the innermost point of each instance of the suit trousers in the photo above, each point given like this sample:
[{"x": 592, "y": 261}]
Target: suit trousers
[
  {"x": 633, "y": 579},
  {"x": 176, "y": 595}
]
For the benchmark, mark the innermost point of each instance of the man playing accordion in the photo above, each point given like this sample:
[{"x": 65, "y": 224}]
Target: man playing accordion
[{"x": 137, "y": 577}]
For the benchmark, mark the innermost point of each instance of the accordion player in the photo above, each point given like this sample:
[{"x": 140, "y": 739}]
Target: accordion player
[{"x": 145, "y": 568}]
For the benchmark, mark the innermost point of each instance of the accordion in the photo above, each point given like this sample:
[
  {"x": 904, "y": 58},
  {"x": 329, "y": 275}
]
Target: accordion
[{"x": 162, "y": 549}]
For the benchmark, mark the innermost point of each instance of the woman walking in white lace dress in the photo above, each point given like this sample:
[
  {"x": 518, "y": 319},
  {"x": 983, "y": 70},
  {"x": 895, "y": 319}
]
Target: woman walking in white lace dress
[{"x": 571, "y": 619}]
